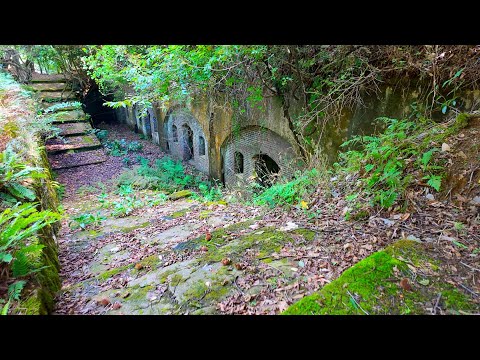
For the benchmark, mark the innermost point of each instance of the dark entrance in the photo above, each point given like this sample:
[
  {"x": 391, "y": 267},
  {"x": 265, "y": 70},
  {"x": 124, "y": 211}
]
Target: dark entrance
[
  {"x": 148, "y": 126},
  {"x": 266, "y": 169},
  {"x": 187, "y": 143}
]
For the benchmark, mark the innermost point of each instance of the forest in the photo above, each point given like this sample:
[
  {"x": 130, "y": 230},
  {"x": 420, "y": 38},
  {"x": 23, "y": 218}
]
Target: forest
[{"x": 239, "y": 179}]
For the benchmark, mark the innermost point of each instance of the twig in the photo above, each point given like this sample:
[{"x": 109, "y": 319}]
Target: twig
[
  {"x": 436, "y": 304},
  {"x": 238, "y": 287},
  {"x": 471, "y": 267},
  {"x": 469, "y": 290},
  {"x": 355, "y": 301}
]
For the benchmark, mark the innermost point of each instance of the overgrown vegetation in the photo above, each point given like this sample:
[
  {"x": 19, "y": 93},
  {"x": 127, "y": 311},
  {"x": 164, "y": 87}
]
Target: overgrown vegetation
[
  {"x": 21, "y": 216},
  {"x": 167, "y": 175},
  {"x": 383, "y": 167}
]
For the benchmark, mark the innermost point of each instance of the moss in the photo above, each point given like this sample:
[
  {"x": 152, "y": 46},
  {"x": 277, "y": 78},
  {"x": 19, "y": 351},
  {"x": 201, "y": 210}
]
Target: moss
[
  {"x": 112, "y": 272},
  {"x": 307, "y": 234},
  {"x": 87, "y": 139},
  {"x": 266, "y": 241},
  {"x": 128, "y": 229},
  {"x": 32, "y": 305},
  {"x": 179, "y": 213},
  {"x": 138, "y": 293},
  {"x": 162, "y": 278},
  {"x": 374, "y": 285},
  {"x": 455, "y": 300},
  {"x": 198, "y": 293},
  {"x": 177, "y": 279},
  {"x": 150, "y": 261},
  {"x": 204, "y": 214},
  {"x": 180, "y": 194},
  {"x": 462, "y": 120}
]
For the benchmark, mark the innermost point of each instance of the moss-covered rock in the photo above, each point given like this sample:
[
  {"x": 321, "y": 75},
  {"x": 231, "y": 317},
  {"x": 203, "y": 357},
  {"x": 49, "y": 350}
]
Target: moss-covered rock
[
  {"x": 180, "y": 194},
  {"x": 373, "y": 286}
]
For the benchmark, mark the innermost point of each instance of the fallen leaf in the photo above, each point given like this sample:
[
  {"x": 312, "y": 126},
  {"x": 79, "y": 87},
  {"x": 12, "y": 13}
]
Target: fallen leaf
[
  {"x": 208, "y": 236},
  {"x": 405, "y": 284},
  {"x": 204, "y": 248},
  {"x": 104, "y": 301},
  {"x": 226, "y": 261},
  {"x": 405, "y": 216},
  {"x": 424, "y": 282},
  {"x": 116, "y": 306},
  {"x": 138, "y": 266},
  {"x": 304, "y": 204},
  {"x": 445, "y": 147},
  {"x": 239, "y": 266}
]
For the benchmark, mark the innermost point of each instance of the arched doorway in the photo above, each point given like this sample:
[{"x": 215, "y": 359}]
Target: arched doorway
[
  {"x": 187, "y": 142},
  {"x": 266, "y": 169}
]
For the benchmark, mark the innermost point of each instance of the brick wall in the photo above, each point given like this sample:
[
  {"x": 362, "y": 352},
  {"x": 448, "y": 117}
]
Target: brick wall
[
  {"x": 179, "y": 149},
  {"x": 250, "y": 142}
]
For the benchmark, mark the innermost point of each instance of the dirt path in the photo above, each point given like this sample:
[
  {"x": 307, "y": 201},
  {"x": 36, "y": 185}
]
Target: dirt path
[{"x": 191, "y": 257}]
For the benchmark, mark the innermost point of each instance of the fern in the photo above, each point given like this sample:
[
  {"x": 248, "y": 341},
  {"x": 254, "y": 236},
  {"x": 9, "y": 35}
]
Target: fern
[{"x": 13, "y": 175}]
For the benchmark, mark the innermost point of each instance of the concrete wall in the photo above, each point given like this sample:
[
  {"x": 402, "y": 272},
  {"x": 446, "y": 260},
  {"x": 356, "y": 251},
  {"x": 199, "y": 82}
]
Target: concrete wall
[{"x": 265, "y": 128}]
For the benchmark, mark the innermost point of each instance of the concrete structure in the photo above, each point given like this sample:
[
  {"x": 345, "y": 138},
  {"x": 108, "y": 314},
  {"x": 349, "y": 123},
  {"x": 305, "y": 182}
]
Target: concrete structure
[
  {"x": 236, "y": 145},
  {"x": 207, "y": 135}
]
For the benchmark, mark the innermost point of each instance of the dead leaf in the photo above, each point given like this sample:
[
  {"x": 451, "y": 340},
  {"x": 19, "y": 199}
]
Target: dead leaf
[
  {"x": 226, "y": 261},
  {"x": 116, "y": 306},
  {"x": 138, "y": 266},
  {"x": 405, "y": 284},
  {"x": 104, "y": 301},
  {"x": 445, "y": 147}
]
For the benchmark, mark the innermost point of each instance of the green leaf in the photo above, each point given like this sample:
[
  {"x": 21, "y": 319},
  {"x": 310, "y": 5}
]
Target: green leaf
[
  {"x": 424, "y": 282},
  {"x": 15, "y": 289},
  {"x": 444, "y": 109},
  {"x": 5, "y": 257},
  {"x": 434, "y": 181},
  {"x": 369, "y": 167},
  {"x": 427, "y": 156},
  {"x": 459, "y": 244}
]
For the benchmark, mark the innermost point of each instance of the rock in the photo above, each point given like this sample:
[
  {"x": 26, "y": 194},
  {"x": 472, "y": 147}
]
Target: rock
[
  {"x": 413, "y": 238},
  {"x": 475, "y": 200},
  {"x": 388, "y": 222},
  {"x": 289, "y": 226},
  {"x": 114, "y": 249},
  {"x": 180, "y": 194}
]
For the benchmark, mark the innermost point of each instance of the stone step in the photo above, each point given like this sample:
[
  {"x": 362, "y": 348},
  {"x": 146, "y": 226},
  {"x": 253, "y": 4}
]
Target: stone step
[
  {"x": 46, "y": 106},
  {"x": 75, "y": 143},
  {"x": 69, "y": 160},
  {"x": 55, "y": 96},
  {"x": 36, "y": 78},
  {"x": 69, "y": 116},
  {"x": 70, "y": 129},
  {"x": 48, "y": 87}
]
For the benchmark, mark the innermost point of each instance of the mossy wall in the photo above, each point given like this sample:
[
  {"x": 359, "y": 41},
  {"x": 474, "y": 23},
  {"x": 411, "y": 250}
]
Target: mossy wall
[
  {"x": 220, "y": 123},
  {"x": 40, "y": 300}
]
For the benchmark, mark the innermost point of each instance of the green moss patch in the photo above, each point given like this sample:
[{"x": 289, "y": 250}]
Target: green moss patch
[
  {"x": 373, "y": 287},
  {"x": 180, "y": 194},
  {"x": 307, "y": 234},
  {"x": 265, "y": 241},
  {"x": 112, "y": 272},
  {"x": 179, "y": 213}
]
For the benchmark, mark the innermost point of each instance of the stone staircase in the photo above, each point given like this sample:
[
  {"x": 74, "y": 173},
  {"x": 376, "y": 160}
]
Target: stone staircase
[{"x": 76, "y": 145}]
